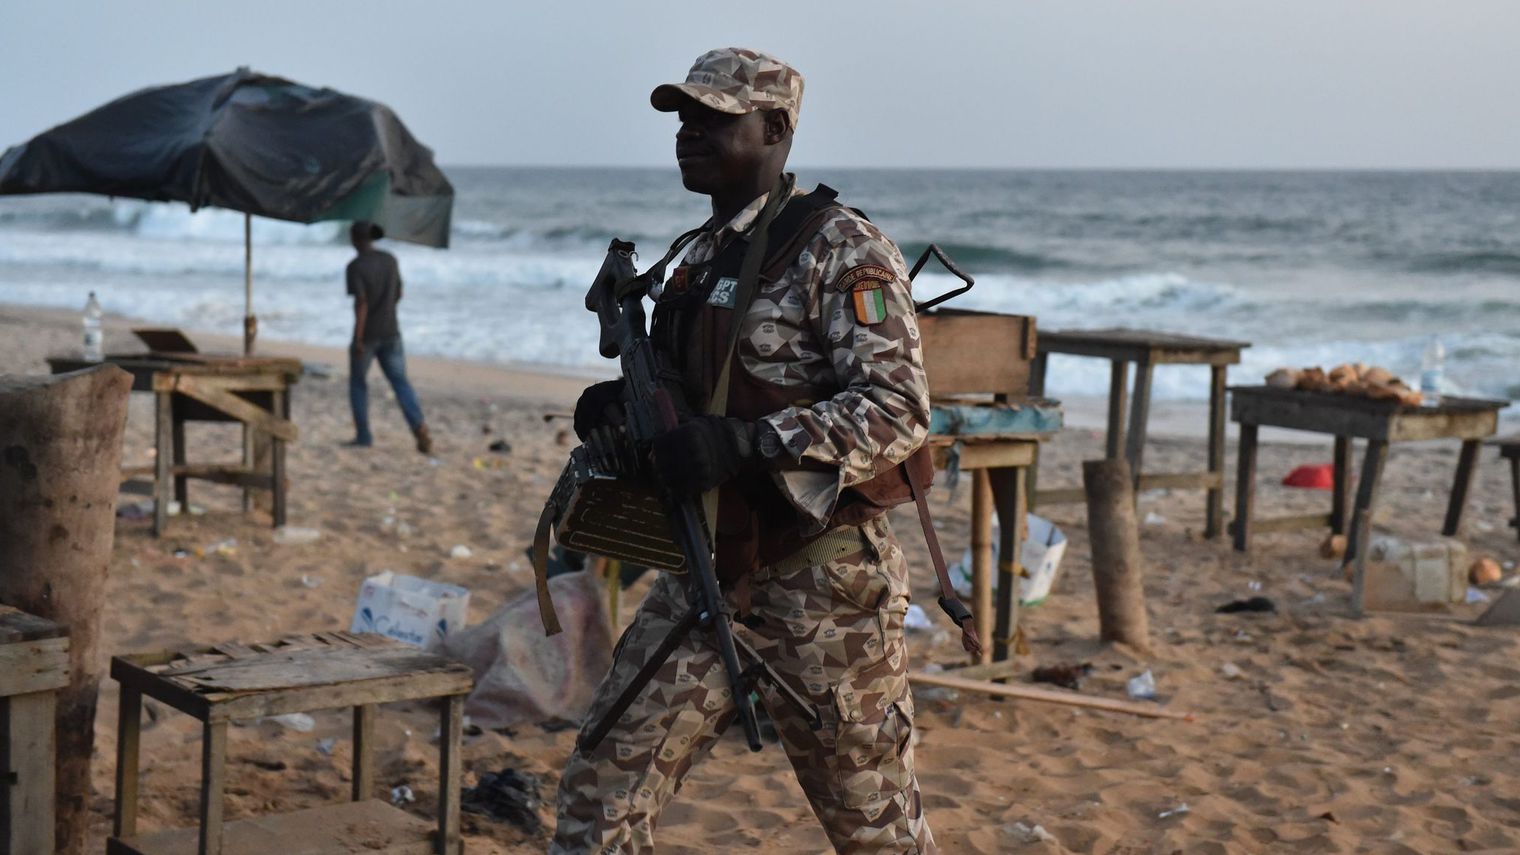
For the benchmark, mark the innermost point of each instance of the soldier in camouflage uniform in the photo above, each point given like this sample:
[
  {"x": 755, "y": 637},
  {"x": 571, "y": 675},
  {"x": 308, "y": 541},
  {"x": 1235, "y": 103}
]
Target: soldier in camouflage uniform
[{"x": 833, "y": 332}]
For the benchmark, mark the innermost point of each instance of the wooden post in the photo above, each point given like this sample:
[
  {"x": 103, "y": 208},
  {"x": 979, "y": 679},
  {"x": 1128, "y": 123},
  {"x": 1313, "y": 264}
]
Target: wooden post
[
  {"x": 981, "y": 557},
  {"x": 1245, "y": 486},
  {"x": 1117, "y": 565},
  {"x": 60, "y": 462},
  {"x": 1118, "y": 380},
  {"x": 1213, "y": 524},
  {"x": 1466, "y": 463}
]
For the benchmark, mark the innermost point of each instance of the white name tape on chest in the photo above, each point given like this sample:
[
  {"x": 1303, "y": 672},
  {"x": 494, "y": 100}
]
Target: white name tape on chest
[{"x": 724, "y": 293}]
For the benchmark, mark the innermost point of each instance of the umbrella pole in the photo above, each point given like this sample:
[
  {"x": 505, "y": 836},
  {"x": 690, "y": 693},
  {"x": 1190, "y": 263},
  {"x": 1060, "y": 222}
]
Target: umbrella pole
[{"x": 250, "y": 324}]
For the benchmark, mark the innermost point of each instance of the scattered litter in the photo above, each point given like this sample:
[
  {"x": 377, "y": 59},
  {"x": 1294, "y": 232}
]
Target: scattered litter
[
  {"x": 1142, "y": 687},
  {"x": 317, "y": 370},
  {"x": 134, "y": 511},
  {"x": 1254, "y": 604},
  {"x": 403, "y": 530},
  {"x": 298, "y": 721},
  {"x": 1253, "y": 585},
  {"x": 402, "y": 795},
  {"x": 1317, "y": 599},
  {"x": 294, "y": 535},
  {"x": 936, "y": 693},
  {"x": 1476, "y": 596},
  {"x": 1176, "y": 811},
  {"x": 1484, "y": 571},
  {"x": 325, "y": 745},
  {"x": 506, "y": 796},
  {"x": 221, "y": 547},
  {"x": 460, "y": 551},
  {"x": 1153, "y": 518},
  {"x": 1328, "y": 817},
  {"x": 1231, "y": 671},
  {"x": 416, "y": 611},
  {"x": 1312, "y": 476},
  {"x": 917, "y": 620},
  {"x": 1066, "y": 676},
  {"x": 1030, "y": 833},
  {"x": 181, "y": 552},
  {"x": 500, "y": 446},
  {"x": 311, "y": 581},
  {"x": 483, "y": 463},
  {"x": 555, "y": 725},
  {"x": 173, "y": 508}
]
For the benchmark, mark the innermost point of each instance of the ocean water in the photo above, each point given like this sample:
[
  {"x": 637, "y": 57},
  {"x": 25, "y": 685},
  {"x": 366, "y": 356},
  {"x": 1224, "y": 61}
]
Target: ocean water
[{"x": 1313, "y": 268}]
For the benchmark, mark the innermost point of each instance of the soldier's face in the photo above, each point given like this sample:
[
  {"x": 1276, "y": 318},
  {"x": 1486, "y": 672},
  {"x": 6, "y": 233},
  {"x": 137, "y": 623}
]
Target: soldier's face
[{"x": 719, "y": 151}]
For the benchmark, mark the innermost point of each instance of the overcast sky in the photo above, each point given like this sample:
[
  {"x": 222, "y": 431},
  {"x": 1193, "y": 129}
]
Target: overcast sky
[{"x": 993, "y": 83}]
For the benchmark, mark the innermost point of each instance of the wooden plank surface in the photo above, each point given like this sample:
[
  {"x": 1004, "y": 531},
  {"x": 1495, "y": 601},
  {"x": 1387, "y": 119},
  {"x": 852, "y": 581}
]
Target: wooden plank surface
[
  {"x": 208, "y": 392},
  {"x": 28, "y": 755},
  {"x": 1133, "y": 345},
  {"x": 342, "y": 829},
  {"x": 17, "y": 625},
  {"x": 970, "y": 352},
  {"x": 34, "y": 666}
]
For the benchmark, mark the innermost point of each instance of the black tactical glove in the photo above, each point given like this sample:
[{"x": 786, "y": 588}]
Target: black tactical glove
[
  {"x": 600, "y": 404},
  {"x": 702, "y": 453}
]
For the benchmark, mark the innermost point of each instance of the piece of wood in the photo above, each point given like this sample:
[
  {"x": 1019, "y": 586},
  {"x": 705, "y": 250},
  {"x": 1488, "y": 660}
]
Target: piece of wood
[
  {"x": 985, "y": 453},
  {"x": 213, "y": 786},
  {"x": 1139, "y": 416},
  {"x": 450, "y": 765},
  {"x": 364, "y": 751},
  {"x": 1467, "y": 461},
  {"x": 976, "y": 352},
  {"x": 41, "y": 665},
  {"x": 1514, "y": 487},
  {"x": 17, "y": 625},
  {"x": 981, "y": 557},
  {"x": 1504, "y": 612},
  {"x": 163, "y": 458},
  {"x": 1164, "y": 348},
  {"x": 60, "y": 449},
  {"x": 1213, "y": 524},
  {"x": 1049, "y": 696},
  {"x": 1118, "y": 392},
  {"x": 128, "y": 736},
  {"x": 1245, "y": 486},
  {"x": 1009, "y": 495},
  {"x": 177, "y": 441},
  {"x": 370, "y": 827},
  {"x": 1366, "y": 497},
  {"x": 1117, "y": 564},
  {"x": 277, "y": 463},
  {"x": 27, "y": 785},
  {"x": 1340, "y": 490},
  {"x": 207, "y": 391}
]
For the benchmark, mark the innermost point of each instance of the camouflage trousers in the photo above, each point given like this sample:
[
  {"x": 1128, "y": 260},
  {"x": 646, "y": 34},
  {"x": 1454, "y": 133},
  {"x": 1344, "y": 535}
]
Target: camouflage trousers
[{"x": 834, "y": 632}]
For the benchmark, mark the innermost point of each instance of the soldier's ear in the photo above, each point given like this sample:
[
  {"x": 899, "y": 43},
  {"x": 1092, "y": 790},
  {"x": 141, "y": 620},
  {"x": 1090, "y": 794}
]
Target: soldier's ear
[{"x": 778, "y": 126}]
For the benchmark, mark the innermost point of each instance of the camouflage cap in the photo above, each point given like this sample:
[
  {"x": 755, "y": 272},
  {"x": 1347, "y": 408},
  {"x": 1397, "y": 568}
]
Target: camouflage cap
[{"x": 735, "y": 80}]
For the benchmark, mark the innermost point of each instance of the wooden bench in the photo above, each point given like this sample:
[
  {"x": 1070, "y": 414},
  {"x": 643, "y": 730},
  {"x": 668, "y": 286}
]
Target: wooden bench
[
  {"x": 34, "y": 665},
  {"x": 313, "y": 672}
]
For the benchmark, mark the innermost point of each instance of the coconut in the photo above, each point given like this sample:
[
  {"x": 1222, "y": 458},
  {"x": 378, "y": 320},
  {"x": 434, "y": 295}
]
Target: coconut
[
  {"x": 1484, "y": 571},
  {"x": 1282, "y": 378},
  {"x": 1377, "y": 375},
  {"x": 1333, "y": 546}
]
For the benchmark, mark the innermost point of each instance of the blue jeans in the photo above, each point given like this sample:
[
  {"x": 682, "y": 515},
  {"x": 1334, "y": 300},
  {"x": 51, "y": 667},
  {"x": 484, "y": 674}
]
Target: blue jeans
[{"x": 393, "y": 366}]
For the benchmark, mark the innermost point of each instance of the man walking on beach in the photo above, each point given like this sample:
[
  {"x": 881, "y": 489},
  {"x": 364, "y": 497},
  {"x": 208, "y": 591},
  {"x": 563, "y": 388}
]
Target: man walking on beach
[
  {"x": 374, "y": 281},
  {"x": 807, "y": 422}
]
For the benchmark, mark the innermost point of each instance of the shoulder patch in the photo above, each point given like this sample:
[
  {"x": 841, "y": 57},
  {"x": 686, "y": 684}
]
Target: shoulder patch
[{"x": 864, "y": 276}]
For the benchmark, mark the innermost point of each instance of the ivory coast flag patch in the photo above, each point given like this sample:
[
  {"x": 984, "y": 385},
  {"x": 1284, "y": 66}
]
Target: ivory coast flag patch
[{"x": 867, "y": 286}]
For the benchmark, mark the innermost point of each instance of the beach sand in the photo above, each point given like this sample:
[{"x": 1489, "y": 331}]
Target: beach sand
[{"x": 1387, "y": 734}]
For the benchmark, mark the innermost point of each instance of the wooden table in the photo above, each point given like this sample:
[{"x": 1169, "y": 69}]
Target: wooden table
[
  {"x": 34, "y": 665},
  {"x": 254, "y": 391},
  {"x": 999, "y": 469},
  {"x": 327, "y": 670},
  {"x": 1147, "y": 350},
  {"x": 1346, "y": 418},
  {"x": 1509, "y": 449}
]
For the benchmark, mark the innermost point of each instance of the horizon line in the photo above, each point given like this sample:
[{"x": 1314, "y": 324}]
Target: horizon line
[{"x": 1005, "y": 168}]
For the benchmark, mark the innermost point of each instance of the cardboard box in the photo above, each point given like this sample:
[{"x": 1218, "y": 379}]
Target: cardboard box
[{"x": 411, "y": 610}]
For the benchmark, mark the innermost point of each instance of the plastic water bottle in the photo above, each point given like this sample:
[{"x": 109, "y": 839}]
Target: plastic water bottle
[
  {"x": 93, "y": 337},
  {"x": 1432, "y": 372}
]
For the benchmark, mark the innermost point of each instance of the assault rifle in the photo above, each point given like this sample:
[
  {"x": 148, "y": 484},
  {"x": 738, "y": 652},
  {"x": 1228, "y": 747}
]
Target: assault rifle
[{"x": 616, "y": 296}]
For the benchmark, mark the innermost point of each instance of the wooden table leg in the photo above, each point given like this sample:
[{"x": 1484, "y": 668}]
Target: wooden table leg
[
  {"x": 181, "y": 482},
  {"x": 1214, "y": 509},
  {"x": 1037, "y": 373},
  {"x": 163, "y": 455},
  {"x": 1139, "y": 415},
  {"x": 1117, "y": 397},
  {"x": 1340, "y": 489},
  {"x": 981, "y": 557},
  {"x": 364, "y": 751},
  {"x": 1466, "y": 463},
  {"x": 213, "y": 786},
  {"x": 128, "y": 731},
  {"x": 1245, "y": 486},
  {"x": 28, "y": 758},
  {"x": 1011, "y": 497},
  {"x": 281, "y": 404},
  {"x": 449, "y": 767},
  {"x": 1366, "y": 497},
  {"x": 1514, "y": 487}
]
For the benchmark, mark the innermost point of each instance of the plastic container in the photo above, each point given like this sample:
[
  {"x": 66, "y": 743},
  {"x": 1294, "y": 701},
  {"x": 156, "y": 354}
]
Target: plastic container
[
  {"x": 94, "y": 336},
  {"x": 1433, "y": 372}
]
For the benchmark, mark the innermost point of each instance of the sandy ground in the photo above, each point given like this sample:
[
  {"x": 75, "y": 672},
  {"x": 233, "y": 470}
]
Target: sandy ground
[{"x": 1386, "y": 734}]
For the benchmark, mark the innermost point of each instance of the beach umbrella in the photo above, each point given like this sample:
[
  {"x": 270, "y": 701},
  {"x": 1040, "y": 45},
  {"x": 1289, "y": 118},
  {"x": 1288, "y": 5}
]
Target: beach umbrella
[{"x": 262, "y": 145}]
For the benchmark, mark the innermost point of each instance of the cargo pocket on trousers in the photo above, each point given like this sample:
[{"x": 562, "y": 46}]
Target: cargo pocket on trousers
[{"x": 872, "y": 753}]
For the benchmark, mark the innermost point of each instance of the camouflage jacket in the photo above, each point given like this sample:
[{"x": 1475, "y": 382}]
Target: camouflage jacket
[{"x": 840, "y": 317}]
